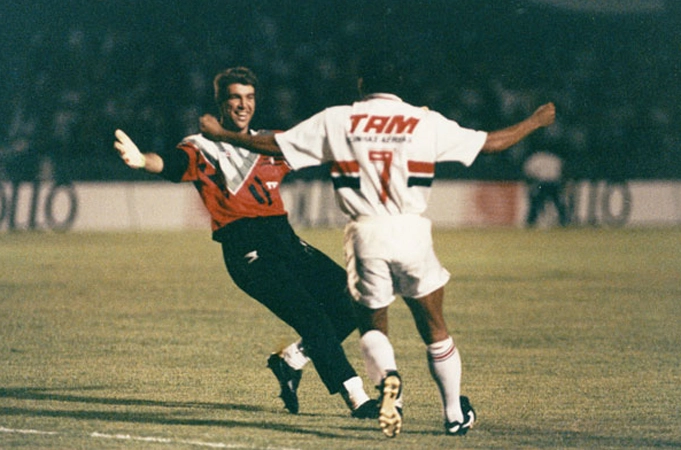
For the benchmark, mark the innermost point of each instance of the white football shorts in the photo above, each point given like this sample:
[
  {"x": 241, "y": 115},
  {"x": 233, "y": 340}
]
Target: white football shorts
[{"x": 391, "y": 255}]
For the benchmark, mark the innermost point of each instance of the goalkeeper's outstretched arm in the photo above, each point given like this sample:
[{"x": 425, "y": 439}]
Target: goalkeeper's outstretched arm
[{"x": 133, "y": 157}]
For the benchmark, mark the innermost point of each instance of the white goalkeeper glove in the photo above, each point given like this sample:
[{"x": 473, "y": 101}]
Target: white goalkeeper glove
[{"x": 129, "y": 151}]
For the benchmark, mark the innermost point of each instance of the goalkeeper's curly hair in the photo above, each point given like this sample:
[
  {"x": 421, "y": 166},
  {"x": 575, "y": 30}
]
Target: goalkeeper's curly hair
[{"x": 241, "y": 75}]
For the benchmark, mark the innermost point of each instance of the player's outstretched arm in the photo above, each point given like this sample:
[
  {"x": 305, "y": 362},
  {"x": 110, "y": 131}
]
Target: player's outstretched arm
[
  {"x": 260, "y": 143},
  {"x": 133, "y": 157},
  {"x": 502, "y": 139}
]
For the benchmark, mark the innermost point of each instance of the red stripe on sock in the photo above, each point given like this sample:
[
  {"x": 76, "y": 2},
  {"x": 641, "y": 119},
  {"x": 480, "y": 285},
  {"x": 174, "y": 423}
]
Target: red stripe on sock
[{"x": 443, "y": 355}]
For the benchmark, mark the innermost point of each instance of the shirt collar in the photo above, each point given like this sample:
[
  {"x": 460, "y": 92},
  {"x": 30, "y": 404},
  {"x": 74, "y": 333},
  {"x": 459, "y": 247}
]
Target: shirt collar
[{"x": 384, "y": 96}]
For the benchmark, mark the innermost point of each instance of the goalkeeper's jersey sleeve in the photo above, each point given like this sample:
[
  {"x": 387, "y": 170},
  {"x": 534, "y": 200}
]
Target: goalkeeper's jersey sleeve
[{"x": 233, "y": 183}]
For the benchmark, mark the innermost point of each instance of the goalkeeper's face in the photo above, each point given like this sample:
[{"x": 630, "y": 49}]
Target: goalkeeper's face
[{"x": 238, "y": 109}]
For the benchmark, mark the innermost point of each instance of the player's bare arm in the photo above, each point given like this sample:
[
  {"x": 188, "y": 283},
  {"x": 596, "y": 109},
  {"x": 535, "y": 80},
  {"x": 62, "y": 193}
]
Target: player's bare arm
[
  {"x": 500, "y": 140},
  {"x": 133, "y": 157},
  {"x": 262, "y": 143}
]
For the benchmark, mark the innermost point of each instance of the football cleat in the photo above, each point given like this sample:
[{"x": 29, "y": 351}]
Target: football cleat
[
  {"x": 367, "y": 410},
  {"x": 288, "y": 379},
  {"x": 457, "y": 428},
  {"x": 390, "y": 416}
]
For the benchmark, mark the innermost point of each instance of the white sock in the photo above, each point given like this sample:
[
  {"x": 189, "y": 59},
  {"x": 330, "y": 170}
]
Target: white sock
[
  {"x": 379, "y": 356},
  {"x": 445, "y": 367},
  {"x": 294, "y": 356},
  {"x": 355, "y": 392}
]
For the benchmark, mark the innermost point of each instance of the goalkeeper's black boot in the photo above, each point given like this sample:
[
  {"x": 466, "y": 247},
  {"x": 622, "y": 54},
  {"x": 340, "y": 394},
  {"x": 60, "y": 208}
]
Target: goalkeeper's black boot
[
  {"x": 367, "y": 410},
  {"x": 288, "y": 378}
]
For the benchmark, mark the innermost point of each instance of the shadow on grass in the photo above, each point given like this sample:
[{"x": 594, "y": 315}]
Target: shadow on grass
[
  {"x": 45, "y": 394},
  {"x": 537, "y": 438},
  {"x": 545, "y": 438},
  {"x": 40, "y": 394}
]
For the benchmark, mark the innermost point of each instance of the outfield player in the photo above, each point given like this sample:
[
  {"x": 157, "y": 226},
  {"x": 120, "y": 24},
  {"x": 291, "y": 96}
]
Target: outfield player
[
  {"x": 298, "y": 283},
  {"x": 383, "y": 153}
]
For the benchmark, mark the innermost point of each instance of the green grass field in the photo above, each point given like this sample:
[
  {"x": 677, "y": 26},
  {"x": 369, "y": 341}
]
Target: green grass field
[{"x": 569, "y": 339}]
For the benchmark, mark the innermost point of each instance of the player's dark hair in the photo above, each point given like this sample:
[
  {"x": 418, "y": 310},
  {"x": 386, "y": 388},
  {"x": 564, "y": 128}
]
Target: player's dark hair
[
  {"x": 240, "y": 75},
  {"x": 380, "y": 72}
]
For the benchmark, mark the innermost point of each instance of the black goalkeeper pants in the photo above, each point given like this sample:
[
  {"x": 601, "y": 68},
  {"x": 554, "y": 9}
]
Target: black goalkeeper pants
[{"x": 299, "y": 284}]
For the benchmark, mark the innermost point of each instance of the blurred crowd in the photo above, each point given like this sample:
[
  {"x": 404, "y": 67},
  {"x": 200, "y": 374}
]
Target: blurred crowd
[{"x": 616, "y": 87}]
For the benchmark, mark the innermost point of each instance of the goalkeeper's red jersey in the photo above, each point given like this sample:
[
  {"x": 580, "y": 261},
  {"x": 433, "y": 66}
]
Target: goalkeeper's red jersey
[{"x": 234, "y": 183}]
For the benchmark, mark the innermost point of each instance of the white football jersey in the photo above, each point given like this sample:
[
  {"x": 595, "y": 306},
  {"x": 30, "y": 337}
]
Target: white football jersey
[{"x": 382, "y": 150}]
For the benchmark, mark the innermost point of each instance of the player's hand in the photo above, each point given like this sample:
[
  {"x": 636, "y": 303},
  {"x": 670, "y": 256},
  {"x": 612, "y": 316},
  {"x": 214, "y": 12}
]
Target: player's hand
[
  {"x": 545, "y": 115},
  {"x": 210, "y": 126},
  {"x": 129, "y": 151}
]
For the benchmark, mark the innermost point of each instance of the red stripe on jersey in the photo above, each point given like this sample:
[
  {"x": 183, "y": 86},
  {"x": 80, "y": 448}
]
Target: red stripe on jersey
[
  {"x": 421, "y": 167},
  {"x": 345, "y": 168}
]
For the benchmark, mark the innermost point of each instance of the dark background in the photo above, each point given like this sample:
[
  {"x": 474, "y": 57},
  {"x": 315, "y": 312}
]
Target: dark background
[{"x": 74, "y": 71}]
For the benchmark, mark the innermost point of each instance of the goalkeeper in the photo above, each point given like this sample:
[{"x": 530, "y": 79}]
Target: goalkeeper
[{"x": 298, "y": 283}]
